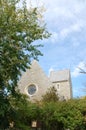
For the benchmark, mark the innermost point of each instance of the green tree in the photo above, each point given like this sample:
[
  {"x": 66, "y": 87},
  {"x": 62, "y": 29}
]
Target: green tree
[
  {"x": 19, "y": 29},
  {"x": 64, "y": 115},
  {"x": 51, "y": 95},
  {"x": 23, "y": 112}
]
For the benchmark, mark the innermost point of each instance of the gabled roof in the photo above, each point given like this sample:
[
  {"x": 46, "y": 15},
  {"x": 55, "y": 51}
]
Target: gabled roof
[
  {"x": 62, "y": 75},
  {"x": 35, "y": 75}
]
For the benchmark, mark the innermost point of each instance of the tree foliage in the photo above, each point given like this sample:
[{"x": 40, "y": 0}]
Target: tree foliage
[
  {"x": 19, "y": 28},
  {"x": 51, "y": 95},
  {"x": 64, "y": 115}
]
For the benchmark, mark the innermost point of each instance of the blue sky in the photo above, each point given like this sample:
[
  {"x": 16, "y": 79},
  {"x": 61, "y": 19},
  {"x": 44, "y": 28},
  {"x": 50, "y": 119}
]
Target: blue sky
[{"x": 66, "y": 48}]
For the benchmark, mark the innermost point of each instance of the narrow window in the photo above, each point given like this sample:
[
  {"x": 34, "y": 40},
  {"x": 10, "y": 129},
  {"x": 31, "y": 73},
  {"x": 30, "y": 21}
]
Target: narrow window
[{"x": 58, "y": 86}]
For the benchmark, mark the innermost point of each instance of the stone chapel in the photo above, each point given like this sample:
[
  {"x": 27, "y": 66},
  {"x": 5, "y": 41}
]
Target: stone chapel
[{"x": 34, "y": 82}]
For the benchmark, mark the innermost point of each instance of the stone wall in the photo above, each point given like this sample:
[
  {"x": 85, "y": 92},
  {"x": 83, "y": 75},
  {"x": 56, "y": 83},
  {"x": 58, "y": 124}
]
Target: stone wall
[{"x": 36, "y": 76}]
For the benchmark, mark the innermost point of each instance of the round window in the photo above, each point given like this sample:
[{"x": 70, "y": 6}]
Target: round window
[{"x": 31, "y": 89}]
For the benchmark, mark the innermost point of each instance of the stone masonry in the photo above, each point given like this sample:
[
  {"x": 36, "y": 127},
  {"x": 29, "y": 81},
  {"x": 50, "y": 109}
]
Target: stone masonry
[{"x": 34, "y": 82}]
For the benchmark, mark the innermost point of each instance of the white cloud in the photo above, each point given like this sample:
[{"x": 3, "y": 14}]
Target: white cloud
[
  {"x": 76, "y": 27},
  {"x": 77, "y": 70},
  {"x": 54, "y": 37},
  {"x": 65, "y": 32},
  {"x": 65, "y": 15},
  {"x": 51, "y": 69}
]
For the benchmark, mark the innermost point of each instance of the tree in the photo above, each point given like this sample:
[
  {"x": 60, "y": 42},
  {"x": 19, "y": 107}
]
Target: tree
[
  {"x": 19, "y": 29},
  {"x": 61, "y": 115},
  {"x": 51, "y": 95},
  {"x": 83, "y": 70}
]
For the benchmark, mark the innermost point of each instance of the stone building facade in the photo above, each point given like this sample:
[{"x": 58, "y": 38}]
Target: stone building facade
[{"x": 34, "y": 82}]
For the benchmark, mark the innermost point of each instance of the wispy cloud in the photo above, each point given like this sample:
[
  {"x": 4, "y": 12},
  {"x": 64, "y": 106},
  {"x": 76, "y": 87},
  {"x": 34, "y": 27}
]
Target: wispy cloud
[
  {"x": 66, "y": 18},
  {"x": 76, "y": 27}
]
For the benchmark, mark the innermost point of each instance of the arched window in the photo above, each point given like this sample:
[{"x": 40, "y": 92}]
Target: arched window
[{"x": 58, "y": 86}]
